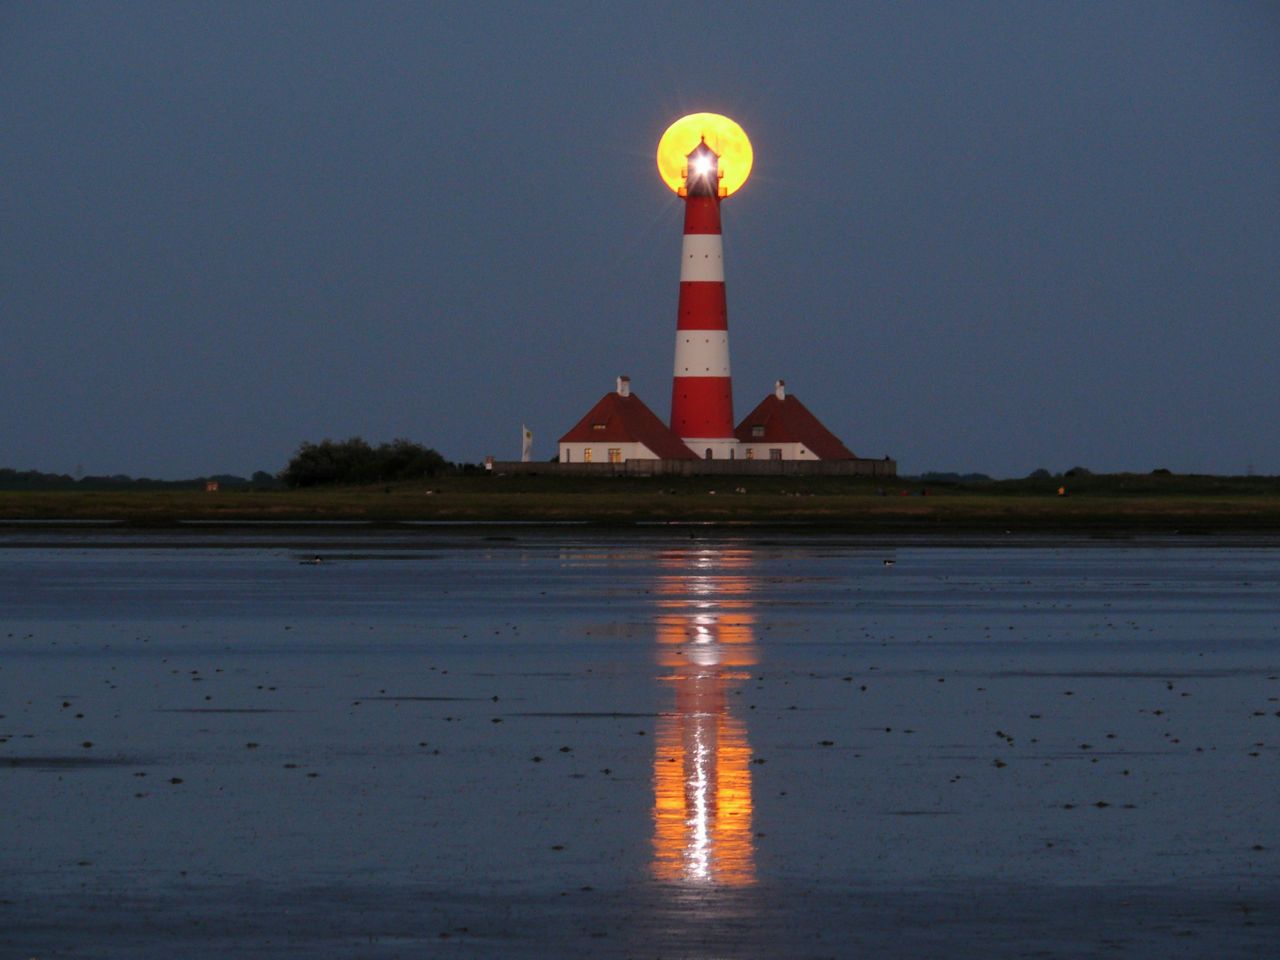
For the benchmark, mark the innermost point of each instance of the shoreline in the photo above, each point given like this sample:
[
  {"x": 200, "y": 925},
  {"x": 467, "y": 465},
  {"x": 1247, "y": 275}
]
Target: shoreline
[
  {"x": 1112, "y": 504},
  {"x": 1189, "y": 522},
  {"x": 307, "y": 537}
]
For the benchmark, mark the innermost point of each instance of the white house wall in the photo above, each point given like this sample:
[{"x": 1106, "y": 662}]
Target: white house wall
[
  {"x": 761, "y": 451},
  {"x": 577, "y": 452}
]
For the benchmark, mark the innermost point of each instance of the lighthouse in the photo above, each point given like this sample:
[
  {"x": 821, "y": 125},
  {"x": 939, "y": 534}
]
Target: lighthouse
[
  {"x": 705, "y": 158},
  {"x": 701, "y": 388}
]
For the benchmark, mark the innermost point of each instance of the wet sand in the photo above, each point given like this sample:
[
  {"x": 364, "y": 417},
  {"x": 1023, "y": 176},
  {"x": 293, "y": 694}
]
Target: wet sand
[{"x": 544, "y": 744}]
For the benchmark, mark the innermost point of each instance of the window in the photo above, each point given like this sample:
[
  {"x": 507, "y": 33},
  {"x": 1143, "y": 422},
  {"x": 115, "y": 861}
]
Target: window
[
  {"x": 708, "y": 453},
  {"x": 751, "y": 453},
  {"x": 757, "y": 430},
  {"x": 775, "y": 453},
  {"x": 598, "y": 426},
  {"x": 615, "y": 454},
  {"x": 586, "y": 454}
]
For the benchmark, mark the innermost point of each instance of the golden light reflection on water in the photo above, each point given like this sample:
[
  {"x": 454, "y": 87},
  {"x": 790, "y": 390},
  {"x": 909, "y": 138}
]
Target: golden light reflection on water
[{"x": 702, "y": 760}]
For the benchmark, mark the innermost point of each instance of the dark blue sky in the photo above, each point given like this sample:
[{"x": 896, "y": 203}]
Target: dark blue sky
[{"x": 984, "y": 236}]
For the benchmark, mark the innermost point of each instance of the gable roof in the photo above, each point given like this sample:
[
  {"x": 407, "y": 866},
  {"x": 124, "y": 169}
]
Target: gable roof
[
  {"x": 789, "y": 421},
  {"x": 628, "y": 420}
]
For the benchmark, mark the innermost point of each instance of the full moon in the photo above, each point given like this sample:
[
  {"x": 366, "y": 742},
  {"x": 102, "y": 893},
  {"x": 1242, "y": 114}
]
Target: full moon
[{"x": 725, "y": 137}]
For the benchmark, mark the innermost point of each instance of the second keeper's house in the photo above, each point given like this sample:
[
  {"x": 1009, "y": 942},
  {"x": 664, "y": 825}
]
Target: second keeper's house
[{"x": 782, "y": 428}]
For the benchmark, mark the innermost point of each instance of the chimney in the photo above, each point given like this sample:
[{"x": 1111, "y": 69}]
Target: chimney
[
  {"x": 780, "y": 389},
  {"x": 624, "y": 386}
]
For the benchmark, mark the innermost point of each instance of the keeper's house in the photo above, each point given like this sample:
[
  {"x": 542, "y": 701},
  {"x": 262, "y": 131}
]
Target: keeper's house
[
  {"x": 782, "y": 428},
  {"x": 621, "y": 435},
  {"x": 620, "y": 428}
]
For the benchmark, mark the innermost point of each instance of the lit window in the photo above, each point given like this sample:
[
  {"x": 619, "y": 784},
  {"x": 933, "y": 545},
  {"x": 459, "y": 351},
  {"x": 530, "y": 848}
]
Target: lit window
[
  {"x": 615, "y": 454},
  {"x": 598, "y": 426},
  {"x": 586, "y": 454}
]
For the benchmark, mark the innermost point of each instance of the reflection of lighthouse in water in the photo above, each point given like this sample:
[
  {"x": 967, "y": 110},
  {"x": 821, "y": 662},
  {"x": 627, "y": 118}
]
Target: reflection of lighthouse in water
[{"x": 702, "y": 772}]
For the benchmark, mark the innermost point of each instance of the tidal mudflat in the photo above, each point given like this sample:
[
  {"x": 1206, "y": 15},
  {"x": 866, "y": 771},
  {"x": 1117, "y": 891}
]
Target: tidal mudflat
[{"x": 552, "y": 742}]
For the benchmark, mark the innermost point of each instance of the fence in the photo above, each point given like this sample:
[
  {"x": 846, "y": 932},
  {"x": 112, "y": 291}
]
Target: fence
[{"x": 859, "y": 467}]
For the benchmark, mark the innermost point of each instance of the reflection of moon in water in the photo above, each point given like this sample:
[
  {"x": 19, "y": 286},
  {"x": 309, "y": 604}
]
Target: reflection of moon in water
[{"x": 725, "y": 137}]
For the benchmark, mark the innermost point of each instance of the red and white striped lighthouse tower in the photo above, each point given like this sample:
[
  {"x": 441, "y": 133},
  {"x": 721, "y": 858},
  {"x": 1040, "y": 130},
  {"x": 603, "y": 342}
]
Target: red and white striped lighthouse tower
[
  {"x": 701, "y": 390},
  {"x": 704, "y": 158}
]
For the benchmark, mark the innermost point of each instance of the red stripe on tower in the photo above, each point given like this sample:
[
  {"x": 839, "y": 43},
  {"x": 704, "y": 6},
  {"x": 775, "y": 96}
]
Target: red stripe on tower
[{"x": 701, "y": 390}]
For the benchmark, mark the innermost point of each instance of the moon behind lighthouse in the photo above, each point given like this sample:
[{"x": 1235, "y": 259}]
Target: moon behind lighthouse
[{"x": 723, "y": 135}]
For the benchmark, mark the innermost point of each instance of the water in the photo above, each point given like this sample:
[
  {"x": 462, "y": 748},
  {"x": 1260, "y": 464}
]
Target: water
[{"x": 489, "y": 742}]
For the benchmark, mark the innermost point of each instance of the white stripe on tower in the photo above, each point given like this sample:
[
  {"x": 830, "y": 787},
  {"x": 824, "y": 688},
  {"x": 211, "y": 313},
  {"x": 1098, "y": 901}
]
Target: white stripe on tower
[
  {"x": 702, "y": 353},
  {"x": 702, "y": 258}
]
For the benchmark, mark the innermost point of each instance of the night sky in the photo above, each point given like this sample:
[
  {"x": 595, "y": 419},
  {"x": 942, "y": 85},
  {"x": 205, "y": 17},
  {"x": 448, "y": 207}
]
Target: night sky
[{"x": 979, "y": 237}]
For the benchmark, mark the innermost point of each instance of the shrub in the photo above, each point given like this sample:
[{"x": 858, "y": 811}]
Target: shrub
[{"x": 354, "y": 461}]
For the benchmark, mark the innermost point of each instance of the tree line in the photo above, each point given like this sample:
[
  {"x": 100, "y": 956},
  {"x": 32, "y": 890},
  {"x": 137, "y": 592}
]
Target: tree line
[
  {"x": 11, "y": 479},
  {"x": 355, "y": 461},
  {"x": 327, "y": 463}
]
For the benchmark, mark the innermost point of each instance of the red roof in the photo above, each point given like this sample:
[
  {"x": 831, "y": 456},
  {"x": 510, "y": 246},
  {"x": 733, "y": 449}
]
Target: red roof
[
  {"x": 619, "y": 419},
  {"x": 789, "y": 421}
]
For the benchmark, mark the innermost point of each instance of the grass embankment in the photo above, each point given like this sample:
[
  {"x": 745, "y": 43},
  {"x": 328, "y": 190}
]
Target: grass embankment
[{"x": 1104, "y": 502}]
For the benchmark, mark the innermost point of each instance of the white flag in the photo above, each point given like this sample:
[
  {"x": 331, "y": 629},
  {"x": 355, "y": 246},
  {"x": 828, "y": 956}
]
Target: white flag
[{"x": 526, "y": 444}]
